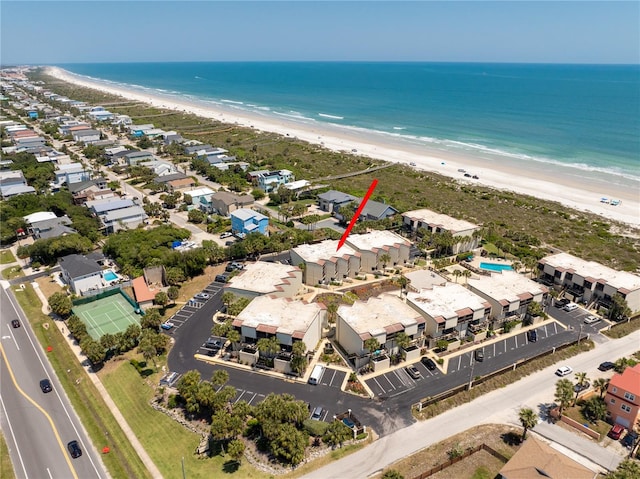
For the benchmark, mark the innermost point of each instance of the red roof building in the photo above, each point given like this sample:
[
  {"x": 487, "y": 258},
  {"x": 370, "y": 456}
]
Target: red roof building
[{"x": 623, "y": 397}]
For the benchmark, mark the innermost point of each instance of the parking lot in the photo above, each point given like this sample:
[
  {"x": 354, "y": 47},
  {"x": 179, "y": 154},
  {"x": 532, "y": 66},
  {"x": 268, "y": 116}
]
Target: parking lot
[
  {"x": 398, "y": 381},
  {"x": 574, "y": 320},
  {"x": 192, "y": 306}
]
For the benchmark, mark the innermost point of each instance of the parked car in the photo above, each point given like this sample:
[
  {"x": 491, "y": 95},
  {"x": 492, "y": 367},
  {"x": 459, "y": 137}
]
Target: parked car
[
  {"x": 561, "y": 303},
  {"x": 591, "y": 319},
  {"x": 413, "y": 372},
  {"x": 429, "y": 363},
  {"x": 226, "y": 234},
  {"x": 74, "y": 449},
  {"x": 606, "y": 366},
  {"x": 630, "y": 439},
  {"x": 15, "y": 323},
  {"x": 317, "y": 413},
  {"x": 564, "y": 370},
  {"x": 479, "y": 355},
  {"x": 213, "y": 343},
  {"x": 202, "y": 296},
  {"x": 532, "y": 335},
  {"x": 616, "y": 432},
  {"x": 221, "y": 278},
  {"x": 167, "y": 325},
  {"x": 570, "y": 307},
  {"x": 581, "y": 387},
  {"x": 45, "y": 386}
]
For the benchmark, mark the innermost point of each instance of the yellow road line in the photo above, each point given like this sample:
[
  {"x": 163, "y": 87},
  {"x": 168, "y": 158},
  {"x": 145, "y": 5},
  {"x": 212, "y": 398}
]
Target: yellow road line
[{"x": 28, "y": 398}]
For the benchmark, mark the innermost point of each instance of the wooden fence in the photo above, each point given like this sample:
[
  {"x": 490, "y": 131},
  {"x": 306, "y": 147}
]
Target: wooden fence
[{"x": 464, "y": 455}]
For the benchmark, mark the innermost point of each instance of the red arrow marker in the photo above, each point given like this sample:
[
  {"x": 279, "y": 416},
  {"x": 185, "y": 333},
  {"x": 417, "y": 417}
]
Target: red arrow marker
[{"x": 345, "y": 235}]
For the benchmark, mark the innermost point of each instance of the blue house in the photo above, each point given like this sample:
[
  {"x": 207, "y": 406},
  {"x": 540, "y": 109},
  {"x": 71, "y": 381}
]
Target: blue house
[
  {"x": 33, "y": 114},
  {"x": 245, "y": 221}
]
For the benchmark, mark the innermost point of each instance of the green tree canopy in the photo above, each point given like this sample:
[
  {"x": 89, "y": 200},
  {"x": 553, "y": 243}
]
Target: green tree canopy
[{"x": 60, "y": 304}]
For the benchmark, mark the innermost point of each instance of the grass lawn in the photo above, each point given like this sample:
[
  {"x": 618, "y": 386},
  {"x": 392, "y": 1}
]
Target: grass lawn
[
  {"x": 6, "y": 256},
  {"x": 12, "y": 272},
  {"x": 575, "y": 413},
  {"x": 166, "y": 441},
  {"x": 623, "y": 329},
  {"x": 101, "y": 426},
  {"x": 6, "y": 468}
]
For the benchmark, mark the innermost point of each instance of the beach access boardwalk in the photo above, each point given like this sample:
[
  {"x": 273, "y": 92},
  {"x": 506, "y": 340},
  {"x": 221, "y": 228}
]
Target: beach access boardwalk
[{"x": 355, "y": 173}]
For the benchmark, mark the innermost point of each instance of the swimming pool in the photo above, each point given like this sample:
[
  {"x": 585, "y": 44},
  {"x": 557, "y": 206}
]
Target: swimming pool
[
  {"x": 495, "y": 267},
  {"x": 109, "y": 276}
]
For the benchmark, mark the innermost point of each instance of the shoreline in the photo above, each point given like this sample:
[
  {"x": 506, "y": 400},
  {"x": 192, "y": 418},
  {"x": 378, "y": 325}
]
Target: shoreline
[{"x": 498, "y": 173}]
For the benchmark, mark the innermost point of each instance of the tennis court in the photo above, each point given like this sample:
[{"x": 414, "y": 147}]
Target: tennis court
[{"x": 107, "y": 315}]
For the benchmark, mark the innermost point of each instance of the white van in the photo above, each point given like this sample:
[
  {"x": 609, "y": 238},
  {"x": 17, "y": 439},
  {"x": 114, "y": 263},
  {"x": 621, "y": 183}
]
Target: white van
[
  {"x": 570, "y": 307},
  {"x": 316, "y": 374}
]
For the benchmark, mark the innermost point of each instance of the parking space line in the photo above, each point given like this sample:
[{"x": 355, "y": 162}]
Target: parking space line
[
  {"x": 381, "y": 388},
  {"x": 389, "y": 381},
  {"x": 459, "y": 361},
  {"x": 555, "y": 327},
  {"x": 252, "y": 398},
  {"x": 515, "y": 338},
  {"x": 494, "y": 350},
  {"x": 335, "y": 371},
  {"x": 505, "y": 345}
]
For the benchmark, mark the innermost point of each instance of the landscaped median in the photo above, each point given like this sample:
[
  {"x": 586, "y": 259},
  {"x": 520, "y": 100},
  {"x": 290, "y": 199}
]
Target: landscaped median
[{"x": 103, "y": 429}]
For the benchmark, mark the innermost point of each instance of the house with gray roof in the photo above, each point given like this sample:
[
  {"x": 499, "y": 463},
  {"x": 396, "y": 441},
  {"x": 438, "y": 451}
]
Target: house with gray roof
[
  {"x": 101, "y": 207},
  {"x": 134, "y": 157},
  {"x": 123, "y": 218},
  {"x": 82, "y": 274},
  {"x": 333, "y": 200},
  {"x": 374, "y": 210},
  {"x": 51, "y": 228}
]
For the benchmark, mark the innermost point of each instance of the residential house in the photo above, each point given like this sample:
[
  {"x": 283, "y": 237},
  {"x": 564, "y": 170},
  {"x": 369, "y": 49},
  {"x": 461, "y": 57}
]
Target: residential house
[
  {"x": 287, "y": 320},
  {"x": 12, "y": 183},
  {"x": 262, "y": 278},
  {"x": 180, "y": 184},
  {"x": 623, "y": 397},
  {"x": 171, "y": 177},
  {"x": 245, "y": 221},
  {"x": 195, "y": 149},
  {"x": 132, "y": 158},
  {"x": 224, "y": 202},
  {"x": 139, "y": 130},
  {"x": 374, "y": 245},
  {"x": 30, "y": 142},
  {"x": 451, "y": 311},
  {"x": 71, "y": 173},
  {"x": 101, "y": 115},
  {"x": 144, "y": 295},
  {"x": 123, "y": 218},
  {"x": 466, "y": 234},
  {"x": 537, "y": 460},
  {"x": 381, "y": 318},
  {"x": 86, "y": 136},
  {"x": 197, "y": 194},
  {"x": 169, "y": 137},
  {"x": 253, "y": 176},
  {"x": 322, "y": 264},
  {"x": 81, "y": 273},
  {"x": 159, "y": 167},
  {"x": 588, "y": 281},
  {"x": 45, "y": 224},
  {"x": 100, "y": 207},
  {"x": 84, "y": 191},
  {"x": 375, "y": 211},
  {"x": 509, "y": 294},
  {"x": 271, "y": 180}
]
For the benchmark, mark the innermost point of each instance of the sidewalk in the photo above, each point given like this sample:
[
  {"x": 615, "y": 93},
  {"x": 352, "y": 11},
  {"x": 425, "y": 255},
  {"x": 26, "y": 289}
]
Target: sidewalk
[{"x": 133, "y": 439}]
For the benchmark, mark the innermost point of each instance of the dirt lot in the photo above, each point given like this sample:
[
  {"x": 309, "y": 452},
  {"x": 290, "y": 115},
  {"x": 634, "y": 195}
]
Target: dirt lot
[
  {"x": 492, "y": 435},
  {"x": 48, "y": 286}
]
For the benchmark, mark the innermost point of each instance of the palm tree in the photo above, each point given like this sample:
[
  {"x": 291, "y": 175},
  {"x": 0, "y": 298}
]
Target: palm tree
[
  {"x": 528, "y": 419},
  {"x": 466, "y": 274},
  {"x": 385, "y": 259},
  {"x": 371, "y": 344},
  {"x": 332, "y": 309},
  {"x": 457, "y": 273},
  {"x": 601, "y": 385},
  {"x": 564, "y": 393},
  {"x": 403, "y": 282},
  {"x": 403, "y": 340},
  {"x": 269, "y": 345},
  {"x": 227, "y": 298},
  {"x": 234, "y": 337},
  {"x": 581, "y": 380}
]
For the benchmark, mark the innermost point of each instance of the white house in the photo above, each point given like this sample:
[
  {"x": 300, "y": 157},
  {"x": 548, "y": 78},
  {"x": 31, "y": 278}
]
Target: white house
[
  {"x": 262, "y": 278},
  {"x": 465, "y": 232}
]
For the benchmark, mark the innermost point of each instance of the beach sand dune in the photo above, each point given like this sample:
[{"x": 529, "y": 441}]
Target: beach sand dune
[{"x": 545, "y": 183}]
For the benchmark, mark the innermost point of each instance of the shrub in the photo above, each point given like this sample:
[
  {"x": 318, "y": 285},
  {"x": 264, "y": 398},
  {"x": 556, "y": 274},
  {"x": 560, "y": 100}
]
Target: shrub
[{"x": 315, "y": 428}]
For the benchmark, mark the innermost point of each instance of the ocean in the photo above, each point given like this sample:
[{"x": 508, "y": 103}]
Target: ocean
[{"x": 582, "y": 118}]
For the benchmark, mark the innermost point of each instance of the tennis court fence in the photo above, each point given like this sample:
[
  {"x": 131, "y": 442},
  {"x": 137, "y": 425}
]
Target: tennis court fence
[{"x": 105, "y": 294}]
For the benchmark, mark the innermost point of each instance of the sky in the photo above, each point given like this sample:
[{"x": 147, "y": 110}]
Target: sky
[{"x": 53, "y": 32}]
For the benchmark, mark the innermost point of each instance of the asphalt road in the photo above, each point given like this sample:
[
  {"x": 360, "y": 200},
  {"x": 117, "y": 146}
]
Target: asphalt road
[{"x": 37, "y": 426}]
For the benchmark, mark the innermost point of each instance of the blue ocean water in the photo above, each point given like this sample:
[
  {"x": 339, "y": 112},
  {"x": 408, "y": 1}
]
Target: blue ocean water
[{"x": 586, "y": 117}]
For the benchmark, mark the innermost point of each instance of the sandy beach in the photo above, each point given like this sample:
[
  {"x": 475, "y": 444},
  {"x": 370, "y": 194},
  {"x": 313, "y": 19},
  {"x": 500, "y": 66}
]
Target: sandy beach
[{"x": 550, "y": 184}]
